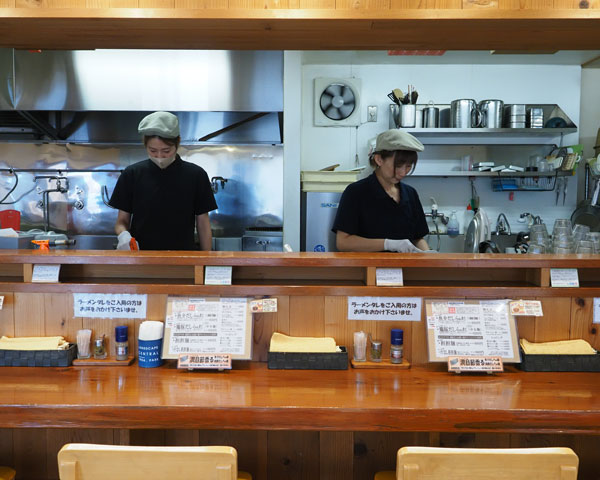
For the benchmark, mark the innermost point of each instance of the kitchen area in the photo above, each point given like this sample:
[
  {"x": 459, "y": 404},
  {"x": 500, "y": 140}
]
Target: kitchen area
[{"x": 253, "y": 122}]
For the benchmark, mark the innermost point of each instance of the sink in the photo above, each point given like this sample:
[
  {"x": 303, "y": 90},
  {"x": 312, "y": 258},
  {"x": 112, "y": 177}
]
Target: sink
[
  {"x": 456, "y": 244},
  {"x": 504, "y": 241}
]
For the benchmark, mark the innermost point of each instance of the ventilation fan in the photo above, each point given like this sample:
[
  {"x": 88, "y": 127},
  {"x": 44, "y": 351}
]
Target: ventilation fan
[{"x": 337, "y": 102}]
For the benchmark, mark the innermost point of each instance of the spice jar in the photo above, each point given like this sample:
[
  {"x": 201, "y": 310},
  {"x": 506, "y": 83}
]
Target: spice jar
[
  {"x": 99, "y": 348},
  {"x": 397, "y": 345},
  {"x": 375, "y": 351}
]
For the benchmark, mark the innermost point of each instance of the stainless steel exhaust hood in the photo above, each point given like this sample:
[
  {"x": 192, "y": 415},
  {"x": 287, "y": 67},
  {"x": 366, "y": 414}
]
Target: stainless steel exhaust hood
[{"x": 99, "y": 96}]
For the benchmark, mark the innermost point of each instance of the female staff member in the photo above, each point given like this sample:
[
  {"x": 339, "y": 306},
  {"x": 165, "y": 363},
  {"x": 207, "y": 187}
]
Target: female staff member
[
  {"x": 380, "y": 212},
  {"x": 162, "y": 199}
]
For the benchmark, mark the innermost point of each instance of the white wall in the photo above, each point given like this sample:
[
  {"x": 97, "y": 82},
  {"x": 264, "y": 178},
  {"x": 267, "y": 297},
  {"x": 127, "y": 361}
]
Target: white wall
[
  {"x": 590, "y": 113},
  {"x": 323, "y": 146}
]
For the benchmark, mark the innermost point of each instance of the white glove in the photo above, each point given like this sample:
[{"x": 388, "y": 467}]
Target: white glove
[
  {"x": 124, "y": 239},
  {"x": 403, "y": 246}
]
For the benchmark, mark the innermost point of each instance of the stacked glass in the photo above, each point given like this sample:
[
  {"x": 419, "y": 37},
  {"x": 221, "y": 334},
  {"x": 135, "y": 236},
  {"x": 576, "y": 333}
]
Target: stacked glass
[
  {"x": 539, "y": 240},
  {"x": 562, "y": 236},
  {"x": 594, "y": 237},
  {"x": 586, "y": 241}
]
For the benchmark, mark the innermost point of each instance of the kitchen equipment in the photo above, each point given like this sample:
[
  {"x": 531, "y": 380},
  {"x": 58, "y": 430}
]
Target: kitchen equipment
[
  {"x": 394, "y": 116},
  {"x": 408, "y": 116},
  {"x": 536, "y": 117},
  {"x": 10, "y": 219},
  {"x": 515, "y": 115},
  {"x": 491, "y": 112},
  {"x": 478, "y": 231},
  {"x": 431, "y": 117},
  {"x": 464, "y": 114},
  {"x": 260, "y": 240},
  {"x": 318, "y": 210},
  {"x": 23, "y": 241},
  {"x": 588, "y": 211}
]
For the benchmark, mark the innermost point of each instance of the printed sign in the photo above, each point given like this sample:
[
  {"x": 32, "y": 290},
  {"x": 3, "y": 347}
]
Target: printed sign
[
  {"x": 264, "y": 305},
  {"x": 596, "y": 310},
  {"x": 109, "y": 305},
  {"x": 475, "y": 364},
  {"x": 532, "y": 308},
  {"x": 202, "y": 361},
  {"x": 217, "y": 275},
  {"x": 389, "y": 277},
  {"x": 402, "y": 309},
  {"x": 45, "y": 273},
  {"x": 564, "y": 277}
]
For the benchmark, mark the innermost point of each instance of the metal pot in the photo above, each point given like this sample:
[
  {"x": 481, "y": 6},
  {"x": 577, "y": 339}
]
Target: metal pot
[
  {"x": 464, "y": 114},
  {"x": 588, "y": 211},
  {"x": 431, "y": 117},
  {"x": 491, "y": 113}
]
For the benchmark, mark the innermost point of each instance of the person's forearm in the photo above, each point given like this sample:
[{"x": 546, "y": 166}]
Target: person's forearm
[
  {"x": 421, "y": 243},
  {"x": 204, "y": 232},
  {"x": 123, "y": 222},
  {"x": 355, "y": 243}
]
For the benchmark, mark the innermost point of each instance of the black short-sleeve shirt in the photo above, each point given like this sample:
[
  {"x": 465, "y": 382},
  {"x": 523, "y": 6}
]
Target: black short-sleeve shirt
[
  {"x": 164, "y": 203},
  {"x": 366, "y": 210}
]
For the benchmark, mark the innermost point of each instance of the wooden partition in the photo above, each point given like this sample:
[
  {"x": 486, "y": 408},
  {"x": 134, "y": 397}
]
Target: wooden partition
[{"x": 294, "y": 424}]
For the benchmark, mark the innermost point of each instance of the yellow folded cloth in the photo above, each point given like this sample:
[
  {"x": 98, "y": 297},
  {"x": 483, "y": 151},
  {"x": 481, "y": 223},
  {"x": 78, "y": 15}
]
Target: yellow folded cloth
[
  {"x": 33, "y": 343},
  {"x": 564, "y": 347},
  {"x": 283, "y": 343}
]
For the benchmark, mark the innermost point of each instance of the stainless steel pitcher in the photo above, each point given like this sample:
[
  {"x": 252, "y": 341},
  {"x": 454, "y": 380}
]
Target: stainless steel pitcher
[
  {"x": 464, "y": 114},
  {"x": 491, "y": 112}
]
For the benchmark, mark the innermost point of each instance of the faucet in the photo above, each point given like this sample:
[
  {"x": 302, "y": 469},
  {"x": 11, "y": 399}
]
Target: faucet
[
  {"x": 502, "y": 225},
  {"x": 46, "y": 194},
  {"x": 435, "y": 214},
  {"x": 214, "y": 181},
  {"x": 531, "y": 219}
]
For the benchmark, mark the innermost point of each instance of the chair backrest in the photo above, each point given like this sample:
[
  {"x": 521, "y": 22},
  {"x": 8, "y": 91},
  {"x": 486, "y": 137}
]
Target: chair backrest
[
  {"x": 486, "y": 463},
  {"x": 81, "y": 461}
]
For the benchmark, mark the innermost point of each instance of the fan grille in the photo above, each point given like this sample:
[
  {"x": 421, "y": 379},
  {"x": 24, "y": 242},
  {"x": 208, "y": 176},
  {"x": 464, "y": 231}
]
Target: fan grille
[{"x": 337, "y": 101}]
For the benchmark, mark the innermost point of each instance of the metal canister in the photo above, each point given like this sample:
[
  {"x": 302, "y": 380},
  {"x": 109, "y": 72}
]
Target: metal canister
[
  {"x": 463, "y": 114},
  {"x": 491, "y": 113},
  {"x": 431, "y": 117}
]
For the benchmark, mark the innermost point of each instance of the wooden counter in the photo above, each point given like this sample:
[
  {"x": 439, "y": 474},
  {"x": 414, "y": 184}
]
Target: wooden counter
[
  {"x": 295, "y": 424},
  {"x": 251, "y": 397}
]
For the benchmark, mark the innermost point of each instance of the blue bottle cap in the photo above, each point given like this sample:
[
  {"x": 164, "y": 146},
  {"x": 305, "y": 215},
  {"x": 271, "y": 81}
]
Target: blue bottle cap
[
  {"x": 121, "y": 333},
  {"x": 397, "y": 336}
]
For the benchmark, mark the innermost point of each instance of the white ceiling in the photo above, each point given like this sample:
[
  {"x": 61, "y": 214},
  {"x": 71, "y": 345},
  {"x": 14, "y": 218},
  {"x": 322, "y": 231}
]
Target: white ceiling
[{"x": 589, "y": 58}]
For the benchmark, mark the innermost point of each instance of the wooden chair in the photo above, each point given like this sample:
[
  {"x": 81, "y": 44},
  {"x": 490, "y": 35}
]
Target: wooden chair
[
  {"x": 7, "y": 473},
  {"x": 81, "y": 461},
  {"x": 483, "y": 464}
]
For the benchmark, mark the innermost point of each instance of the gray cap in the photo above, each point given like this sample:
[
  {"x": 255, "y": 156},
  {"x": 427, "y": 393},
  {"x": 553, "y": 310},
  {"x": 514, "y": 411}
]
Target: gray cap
[
  {"x": 397, "y": 140},
  {"x": 163, "y": 124}
]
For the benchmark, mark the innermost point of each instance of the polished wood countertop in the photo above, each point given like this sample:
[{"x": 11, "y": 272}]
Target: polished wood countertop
[
  {"x": 252, "y": 397},
  {"x": 307, "y": 259}
]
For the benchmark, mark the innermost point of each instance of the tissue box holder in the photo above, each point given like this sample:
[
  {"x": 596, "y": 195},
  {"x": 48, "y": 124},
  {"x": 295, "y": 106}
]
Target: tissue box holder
[
  {"x": 308, "y": 361},
  {"x": 38, "y": 358}
]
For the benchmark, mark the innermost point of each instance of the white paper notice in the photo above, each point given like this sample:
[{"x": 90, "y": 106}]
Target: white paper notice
[
  {"x": 596, "y": 310},
  {"x": 564, "y": 277},
  {"x": 1, "y": 301},
  {"x": 201, "y": 326},
  {"x": 217, "y": 275},
  {"x": 389, "y": 277},
  {"x": 45, "y": 273},
  {"x": 109, "y": 305},
  {"x": 472, "y": 329},
  {"x": 407, "y": 309}
]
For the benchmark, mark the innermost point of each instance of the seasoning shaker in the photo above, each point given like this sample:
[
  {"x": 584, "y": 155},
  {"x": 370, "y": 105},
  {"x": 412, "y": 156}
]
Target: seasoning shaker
[
  {"x": 99, "y": 348},
  {"x": 397, "y": 345},
  {"x": 375, "y": 351},
  {"x": 121, "y": 342}
]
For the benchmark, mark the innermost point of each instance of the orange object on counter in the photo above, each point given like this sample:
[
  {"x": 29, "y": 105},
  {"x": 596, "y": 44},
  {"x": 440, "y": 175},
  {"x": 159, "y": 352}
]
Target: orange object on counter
[
  {"x": 133, "y": 245},
  {"x": 43, "y": 244}
]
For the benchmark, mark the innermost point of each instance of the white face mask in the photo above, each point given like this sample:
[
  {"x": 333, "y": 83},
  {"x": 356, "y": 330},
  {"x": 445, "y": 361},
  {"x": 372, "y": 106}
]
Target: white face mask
[{"x": 163, "y": 162}]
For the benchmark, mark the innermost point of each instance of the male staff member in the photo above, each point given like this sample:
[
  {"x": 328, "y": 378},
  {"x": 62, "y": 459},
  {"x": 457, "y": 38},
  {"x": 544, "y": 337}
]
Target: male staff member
[{"x": 161, "y": 200}]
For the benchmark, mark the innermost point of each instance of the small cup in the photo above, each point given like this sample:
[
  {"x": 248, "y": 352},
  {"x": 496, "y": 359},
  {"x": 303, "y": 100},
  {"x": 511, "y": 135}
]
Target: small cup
[{"x": 408, "y": 114}]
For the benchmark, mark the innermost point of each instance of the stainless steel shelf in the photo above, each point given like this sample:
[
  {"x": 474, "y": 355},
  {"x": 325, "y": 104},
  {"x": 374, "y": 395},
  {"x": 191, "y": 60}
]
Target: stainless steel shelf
[
  {"x": 490, "y": 136},
  {"x": 554, "y": 173}
]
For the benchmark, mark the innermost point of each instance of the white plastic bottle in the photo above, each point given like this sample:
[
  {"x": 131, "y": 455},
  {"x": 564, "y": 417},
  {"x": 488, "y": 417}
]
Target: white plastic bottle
[{"x": 453, "y": 227}]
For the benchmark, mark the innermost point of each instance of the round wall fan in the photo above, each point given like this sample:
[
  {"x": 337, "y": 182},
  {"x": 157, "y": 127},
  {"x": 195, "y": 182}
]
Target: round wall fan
[{"x": 337, "y": 102}]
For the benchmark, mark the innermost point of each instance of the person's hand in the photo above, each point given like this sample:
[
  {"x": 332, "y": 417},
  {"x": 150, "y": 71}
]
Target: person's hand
[
  {"x": 403, "y": 246},
  {"x": 124, "y": 240}
]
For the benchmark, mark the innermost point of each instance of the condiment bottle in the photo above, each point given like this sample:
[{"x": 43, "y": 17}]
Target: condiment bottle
[
  {"x": 99, "y": 349},
  {"x": 375, "y": 351},
  {"x": 121, "y": 342},
  {"x": 453, "y": 227},
  {"x": 397, "y": 345}
]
